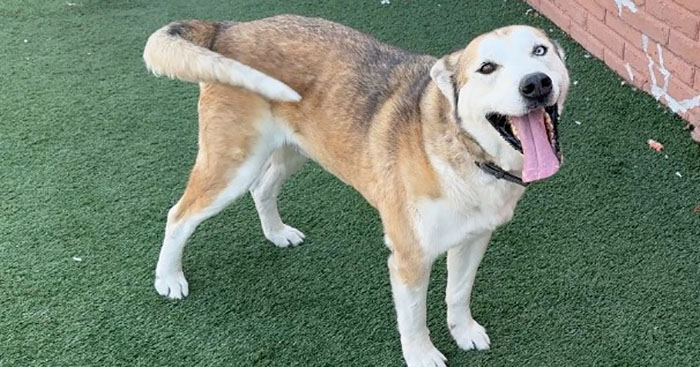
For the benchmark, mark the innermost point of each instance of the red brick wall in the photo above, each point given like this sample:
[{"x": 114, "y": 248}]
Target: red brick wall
[{"x": 629, "y": 35}]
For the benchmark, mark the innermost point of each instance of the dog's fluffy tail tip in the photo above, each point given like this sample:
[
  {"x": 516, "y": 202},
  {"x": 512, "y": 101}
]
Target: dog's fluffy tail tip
[
  {"x": 275, "y": 89},
  {"x": 287, "y": 94},
  {"x": 171, "y": 52}
]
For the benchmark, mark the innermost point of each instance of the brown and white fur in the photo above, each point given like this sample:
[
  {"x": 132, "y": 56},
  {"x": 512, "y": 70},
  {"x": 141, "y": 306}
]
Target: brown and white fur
[{"x": 276, "y": 91}]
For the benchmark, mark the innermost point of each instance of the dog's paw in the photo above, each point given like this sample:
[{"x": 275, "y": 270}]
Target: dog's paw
[
  {"x": 423, "y": 354},
  {"x": 285, "y": 237},
  {"x": 470, "y": 335},
  {"x": 173, "y": 286}
]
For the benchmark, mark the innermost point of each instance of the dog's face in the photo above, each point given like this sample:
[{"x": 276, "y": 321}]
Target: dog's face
[{"x": 509, "y": 86}]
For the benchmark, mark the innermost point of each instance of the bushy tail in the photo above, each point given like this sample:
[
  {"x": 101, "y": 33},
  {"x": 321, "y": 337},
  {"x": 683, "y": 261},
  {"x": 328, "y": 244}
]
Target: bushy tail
[{"x": 179, "y": 50}]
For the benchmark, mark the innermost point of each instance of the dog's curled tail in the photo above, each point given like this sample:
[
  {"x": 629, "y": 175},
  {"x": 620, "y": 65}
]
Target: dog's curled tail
[{"x": 181, "y": 50}]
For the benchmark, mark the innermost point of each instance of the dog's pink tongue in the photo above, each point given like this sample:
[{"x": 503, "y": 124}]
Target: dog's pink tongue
[{"x": 539, "y": 156}]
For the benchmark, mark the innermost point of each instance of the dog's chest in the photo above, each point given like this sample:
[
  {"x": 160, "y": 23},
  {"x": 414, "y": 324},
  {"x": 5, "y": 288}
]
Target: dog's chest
[{"x": 469, "y": 208}]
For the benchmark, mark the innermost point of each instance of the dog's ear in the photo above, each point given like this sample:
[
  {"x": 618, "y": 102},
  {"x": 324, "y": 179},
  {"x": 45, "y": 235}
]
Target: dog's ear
[
  {"x": 443, "y": 74},
  {"x": 559, "y": 50}
]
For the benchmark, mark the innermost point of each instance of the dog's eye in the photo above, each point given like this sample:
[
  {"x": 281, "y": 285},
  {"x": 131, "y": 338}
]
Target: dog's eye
[
  {"x": 487, "y": 68},
  {"x": 539, "y": 50}
]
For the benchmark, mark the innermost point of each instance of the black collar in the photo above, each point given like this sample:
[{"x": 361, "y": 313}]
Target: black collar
[{"x": 501, "y": 174}]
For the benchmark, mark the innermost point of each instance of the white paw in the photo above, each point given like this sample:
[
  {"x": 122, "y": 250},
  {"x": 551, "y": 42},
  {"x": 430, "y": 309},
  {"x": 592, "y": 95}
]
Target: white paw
[
  {"x": 470, "y": 335},
  {"x": 173, "y": 286},
  {"x": 285, "y": 237},
  {"x": 423, "y": 354}
]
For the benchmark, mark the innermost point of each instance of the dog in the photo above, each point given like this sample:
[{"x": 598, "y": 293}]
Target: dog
[{"x": 442, "y": 148}]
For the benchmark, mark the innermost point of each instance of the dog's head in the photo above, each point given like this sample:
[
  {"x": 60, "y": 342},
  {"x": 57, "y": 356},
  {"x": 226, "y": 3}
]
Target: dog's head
[{"x": 507, "y": 88}]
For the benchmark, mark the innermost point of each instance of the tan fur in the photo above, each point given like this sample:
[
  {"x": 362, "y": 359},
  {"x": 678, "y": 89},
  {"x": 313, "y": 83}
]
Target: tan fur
[{"x": 226, "y": 134}]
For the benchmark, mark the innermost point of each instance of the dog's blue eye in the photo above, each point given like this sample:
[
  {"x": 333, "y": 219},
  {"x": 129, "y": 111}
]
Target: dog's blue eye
[
  {"x": 539, "y": 50},
  {"x": 487, "y": 68}
]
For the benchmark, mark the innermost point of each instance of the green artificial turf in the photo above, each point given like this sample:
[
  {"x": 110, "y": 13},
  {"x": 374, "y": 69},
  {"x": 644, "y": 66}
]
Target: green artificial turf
[{"x": 598, "y": 267}]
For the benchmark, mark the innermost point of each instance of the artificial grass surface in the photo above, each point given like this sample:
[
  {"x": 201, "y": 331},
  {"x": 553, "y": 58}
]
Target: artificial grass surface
[{"x": 598, "y": 267}]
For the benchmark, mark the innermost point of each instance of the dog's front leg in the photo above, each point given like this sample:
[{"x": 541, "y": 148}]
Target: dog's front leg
[
  {"x": 462, "y": 263},
  {"x": 409, "y": 285}
]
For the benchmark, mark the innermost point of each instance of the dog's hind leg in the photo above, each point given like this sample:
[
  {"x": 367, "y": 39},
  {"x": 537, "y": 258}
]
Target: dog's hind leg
[
  {"x": 236, "y": 138},
  {"x": 283, "y": 163}
]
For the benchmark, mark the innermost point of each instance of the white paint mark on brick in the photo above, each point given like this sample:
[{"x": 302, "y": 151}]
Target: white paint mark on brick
[
  {"x": 662, "y": 67},
  {"x": 662, "y": 92},
  {"x": 684, "y": 105},
  {"x": 629, "y": 71},
  {"x": 627, "y": 4}
]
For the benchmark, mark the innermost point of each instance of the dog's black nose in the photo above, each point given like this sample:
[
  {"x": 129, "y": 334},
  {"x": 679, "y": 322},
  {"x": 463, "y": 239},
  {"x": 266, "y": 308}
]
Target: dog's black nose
[{"x": 536, "y": 86}]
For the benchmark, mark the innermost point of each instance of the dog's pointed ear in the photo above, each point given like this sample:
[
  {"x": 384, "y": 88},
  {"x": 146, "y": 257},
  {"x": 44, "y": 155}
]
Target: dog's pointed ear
[
  {"x": 560, "y": 50},
  {"x": 443, "y": 74}
]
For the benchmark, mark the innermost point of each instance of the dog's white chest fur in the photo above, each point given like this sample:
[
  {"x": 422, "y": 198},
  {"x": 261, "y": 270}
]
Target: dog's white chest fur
[{"x": 470, "y": 207}]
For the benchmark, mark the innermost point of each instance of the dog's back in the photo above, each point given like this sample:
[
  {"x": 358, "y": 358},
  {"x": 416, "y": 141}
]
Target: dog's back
[{"x": 349, "y": 80}]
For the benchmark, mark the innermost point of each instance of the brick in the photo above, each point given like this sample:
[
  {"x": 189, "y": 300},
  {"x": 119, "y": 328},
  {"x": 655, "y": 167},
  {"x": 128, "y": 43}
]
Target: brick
[
  {"x": 693, "y": 117},
  {"x": 607, "y": 36},
  {"x": 593, "y": 9},
  {"x": 625, "y": 30},
  {"x": 687, "y": 115},
  {"x": 616, "y": 64},
  {"x": 588, "y": 42},
  {"x": 608, "y": 5},
  {"x": 678, "y": 67},
  {"x": 660, "y": 79},
  {"x": 619, "y": 65},
  {"x": 636, "y": 58},
  {"x": 692, "y": 5},
  {"x": 674, "y": 15},
  {"x": 555, "y": 15},
  {"x": 680, "y": 91},
  {"x": 695, "y": 120},
  {"x": 695, "y": 134},
  {"x": 611, "y": 7},
  {"x": 644, "y": 87},
  {"x": 684, "y": 47},
  {"x": 573, "y": 10},
  {"x": 650, "y": 26}
]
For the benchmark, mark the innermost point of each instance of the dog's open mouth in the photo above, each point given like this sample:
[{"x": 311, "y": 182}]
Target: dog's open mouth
[{"x": 535, "y": 135}]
